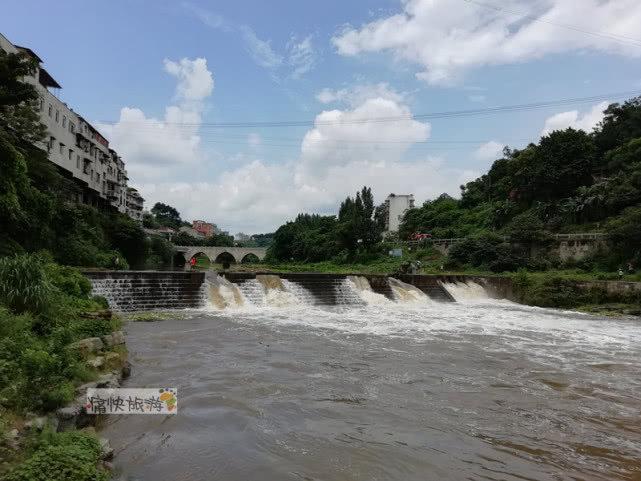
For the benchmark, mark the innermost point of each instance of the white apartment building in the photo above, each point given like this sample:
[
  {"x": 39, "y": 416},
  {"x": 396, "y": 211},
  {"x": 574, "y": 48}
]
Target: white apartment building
[
  {"x": 395, "y": 208},
  {"x": 76, "y": 147},
  {"x": 135, "y": 204}
]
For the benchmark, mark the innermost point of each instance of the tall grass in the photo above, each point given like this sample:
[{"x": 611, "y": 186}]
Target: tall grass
[{"x": 24, "y": 285}]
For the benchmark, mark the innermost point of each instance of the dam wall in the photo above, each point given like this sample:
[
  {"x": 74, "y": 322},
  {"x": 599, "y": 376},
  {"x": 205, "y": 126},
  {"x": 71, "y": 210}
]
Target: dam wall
[
  {"x": 158, "y": 290},
  {"x": 148, "y": 290}
]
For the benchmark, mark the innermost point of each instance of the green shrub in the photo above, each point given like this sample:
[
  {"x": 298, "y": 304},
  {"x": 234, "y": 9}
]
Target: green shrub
[
  {"x": 71, "y": 461},
  {"x": 68, "y": 280},
  {"x": 24, "y": 285}
]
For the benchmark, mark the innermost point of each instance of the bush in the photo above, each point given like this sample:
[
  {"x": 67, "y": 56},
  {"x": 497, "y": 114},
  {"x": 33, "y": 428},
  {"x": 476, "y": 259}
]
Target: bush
[
  {"x": 69, "y": 280},
  {"x": 37, "y": 370},
  {"x": 24, "y": 285},
  {"x": 69, "y": 456}
]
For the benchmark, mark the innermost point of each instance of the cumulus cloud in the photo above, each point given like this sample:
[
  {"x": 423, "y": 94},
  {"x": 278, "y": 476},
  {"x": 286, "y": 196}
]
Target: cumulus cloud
[
  {"x": 446, "y": 41},
  {"x": 341, "y": 136},
  {"x": 195, "y": 81},
  {"x": 338, "y": 155},
  {"x": 259, "y": 197},
  {"x": 149, "y": 145},
  {"x": 491, "y": 150},
  {"x": 574, "y": 119}
]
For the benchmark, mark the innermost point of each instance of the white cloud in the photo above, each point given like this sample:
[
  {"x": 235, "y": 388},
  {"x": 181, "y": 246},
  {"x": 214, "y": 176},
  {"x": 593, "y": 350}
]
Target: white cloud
[
  {"x": 491, "y": 150},
  {"x": 340, "y": 136},
  {"x": 302, "y": 56},
  {"x": 358, "y": 94},
  {"x": 260, "y": 50},
  {"x": 151, "y": 146},
  {"x": 294, "y": 61},
  {"x": 574, "y": 119},
  {"x": 259, "y": 197},
  {"x": 195, "y": 82},
  {"x": 447, "y": 41},
  {"x": 336, "y": 159}
]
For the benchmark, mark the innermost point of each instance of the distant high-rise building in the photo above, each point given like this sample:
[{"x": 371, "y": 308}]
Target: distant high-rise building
[
  {"x": 79, "y": 151},
  {"x": 395, "y": 207}
]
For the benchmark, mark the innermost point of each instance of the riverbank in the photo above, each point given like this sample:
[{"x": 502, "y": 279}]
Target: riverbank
[{"x": 55, "y": 342}]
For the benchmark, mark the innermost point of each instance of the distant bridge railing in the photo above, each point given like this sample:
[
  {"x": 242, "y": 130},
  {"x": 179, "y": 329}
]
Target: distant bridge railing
[{"x": 559, "y": 237}]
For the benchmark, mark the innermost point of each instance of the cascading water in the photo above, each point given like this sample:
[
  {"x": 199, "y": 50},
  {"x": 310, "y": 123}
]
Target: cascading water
[
  {"x": 302, "y": 295},
  {"x": 276, "y": 294},
  {"x": 222, "y": 293},
  {"x": 253, "y": 291},
  {"x": 466, "y": 292},
  {"x": 271, "y": 290},
  {"x": 131, "y": 290},
  {"x": 361, "y": 286},
  {"x": 404, "y": 292}
]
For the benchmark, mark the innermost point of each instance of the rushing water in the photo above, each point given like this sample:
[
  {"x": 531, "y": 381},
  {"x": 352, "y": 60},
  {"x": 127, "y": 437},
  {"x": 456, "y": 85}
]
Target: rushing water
[{"x": 279, "y": 389}]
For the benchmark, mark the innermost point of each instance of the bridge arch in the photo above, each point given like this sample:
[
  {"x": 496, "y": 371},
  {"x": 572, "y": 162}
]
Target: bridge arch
[
  {"x": 179, "y": 260},
  {"x": 250, "y": 258},
  {"x": 225, "y": 256}
]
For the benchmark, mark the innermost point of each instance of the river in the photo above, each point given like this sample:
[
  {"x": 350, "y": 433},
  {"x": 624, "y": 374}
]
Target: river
[{"x": 480, "y": 390}]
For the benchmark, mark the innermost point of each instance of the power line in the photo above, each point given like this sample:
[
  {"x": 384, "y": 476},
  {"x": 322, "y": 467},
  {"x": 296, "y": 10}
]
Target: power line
[
  {"x": 426, "y": 116},
  {"x": 607, "y": 35}
]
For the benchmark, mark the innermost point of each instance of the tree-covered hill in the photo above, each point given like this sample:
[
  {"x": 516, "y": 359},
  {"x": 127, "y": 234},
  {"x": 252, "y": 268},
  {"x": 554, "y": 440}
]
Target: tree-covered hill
[{"x": 570, "y": 181}]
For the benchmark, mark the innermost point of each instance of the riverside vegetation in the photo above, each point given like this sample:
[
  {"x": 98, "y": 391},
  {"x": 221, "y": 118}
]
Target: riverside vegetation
[
  {"x": 44, "y": 309},
  {"x": 44, "y": 306}
]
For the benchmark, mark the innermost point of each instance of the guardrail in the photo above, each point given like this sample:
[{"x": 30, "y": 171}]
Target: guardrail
[{"x": 558, "y": 237}]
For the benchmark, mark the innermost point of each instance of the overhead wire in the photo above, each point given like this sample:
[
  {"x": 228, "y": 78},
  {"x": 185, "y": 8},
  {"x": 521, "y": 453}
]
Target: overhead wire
[
  {"x": 607, "y": 35},
  {"x": 365, "y": 120}
]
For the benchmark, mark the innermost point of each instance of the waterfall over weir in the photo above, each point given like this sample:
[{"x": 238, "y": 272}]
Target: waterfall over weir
[{"x": 146, "y": 290}]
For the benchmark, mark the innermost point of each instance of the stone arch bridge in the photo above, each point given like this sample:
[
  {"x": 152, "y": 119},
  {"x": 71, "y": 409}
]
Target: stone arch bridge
[{"x": 220, "y": 254}]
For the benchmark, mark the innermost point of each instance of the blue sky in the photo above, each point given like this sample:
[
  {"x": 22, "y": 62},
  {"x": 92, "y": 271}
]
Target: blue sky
[{"x": 155, "y": 76}]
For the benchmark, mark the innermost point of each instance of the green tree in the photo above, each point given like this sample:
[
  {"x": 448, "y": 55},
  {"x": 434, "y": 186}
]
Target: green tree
[
  {"x": 166, "y": 215},
  {"x": 620, "y": 124}
]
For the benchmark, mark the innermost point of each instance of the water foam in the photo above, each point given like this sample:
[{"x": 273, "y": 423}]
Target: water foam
[
  {"x": 360, "y": 285},
  {"x": 223, "y": 294},
  {"x": 466, "y": 292},
  {"x": 404, "y": 292}
]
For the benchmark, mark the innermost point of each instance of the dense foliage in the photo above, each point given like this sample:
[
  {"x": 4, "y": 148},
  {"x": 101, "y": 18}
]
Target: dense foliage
[
  {"x": 313, "y": 238},
  {"x": 570, "y": 181},
  {"x": 69, "y": 456},
  {"x": 39, "y": 318}
]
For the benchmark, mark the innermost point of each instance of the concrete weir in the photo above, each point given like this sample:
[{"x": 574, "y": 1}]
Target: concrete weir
[
  {"x": 157, "y": 290},
  {"x": 148, "y": 290}
]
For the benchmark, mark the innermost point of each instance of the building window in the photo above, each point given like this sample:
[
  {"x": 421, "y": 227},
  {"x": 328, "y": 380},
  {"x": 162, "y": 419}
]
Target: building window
[
  {"x": 50, "y": 110},
  {"x": 57, "y": 115},
  {"x": 52, "y": 141},
  {"x": 70, "y": 154},
  {"x": 64, "y": 121},
  {"x": 62, "y": 148},
  {"x": 78, "y": 162},
  {"x": 72, "y": 127},
  {"x": 42, "y": 105}
]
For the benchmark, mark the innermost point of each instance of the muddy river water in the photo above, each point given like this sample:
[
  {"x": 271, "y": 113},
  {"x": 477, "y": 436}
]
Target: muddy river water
[{"x": 479, "y": 390}]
